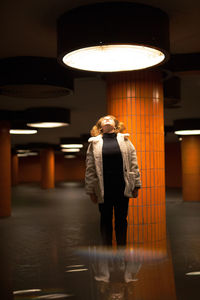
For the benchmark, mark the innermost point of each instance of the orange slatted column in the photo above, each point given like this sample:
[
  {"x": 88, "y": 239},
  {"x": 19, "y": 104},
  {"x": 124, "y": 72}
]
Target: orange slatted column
[
  {"x": 5, "y": 170},
  {"x": 47, "y": 169},
  {"x": 136, "y": 98},
  {"x": 190, "y": 152},
  {"x": 14, "y": 169}
]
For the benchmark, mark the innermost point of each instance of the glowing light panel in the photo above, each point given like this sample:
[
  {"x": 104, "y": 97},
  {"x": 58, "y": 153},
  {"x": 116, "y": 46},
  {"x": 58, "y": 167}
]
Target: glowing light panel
[
  {"x": 193, "y": 273},
  {"x": 187, "y": 132},
  {"x": 23, "y": 131},
  {"x": 113, "y": 58},
  {"x": 69, "y": 156},
  {"x": 71, "y": 146},
  {"x": 47, "y": 124},
  {"x": 70, "y": 150}
]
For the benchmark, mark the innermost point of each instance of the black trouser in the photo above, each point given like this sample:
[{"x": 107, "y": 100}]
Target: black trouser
[{"x": 120, "y": 204}]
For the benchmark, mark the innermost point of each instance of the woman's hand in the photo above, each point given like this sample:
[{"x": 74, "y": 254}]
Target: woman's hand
[
  {"x": 93, "y": 198},
  {"x": 135, "y": 192}
]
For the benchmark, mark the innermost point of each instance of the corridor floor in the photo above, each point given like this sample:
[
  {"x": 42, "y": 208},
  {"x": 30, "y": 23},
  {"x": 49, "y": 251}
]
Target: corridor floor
[{"x": 50, "y": 248}]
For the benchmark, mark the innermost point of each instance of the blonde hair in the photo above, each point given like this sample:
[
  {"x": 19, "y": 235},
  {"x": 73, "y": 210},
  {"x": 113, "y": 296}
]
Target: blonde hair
[{"x": 97, "y": 129}]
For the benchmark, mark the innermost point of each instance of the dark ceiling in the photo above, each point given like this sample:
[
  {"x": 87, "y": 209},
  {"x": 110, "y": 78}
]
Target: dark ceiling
[{"x": 28, "y": 28}]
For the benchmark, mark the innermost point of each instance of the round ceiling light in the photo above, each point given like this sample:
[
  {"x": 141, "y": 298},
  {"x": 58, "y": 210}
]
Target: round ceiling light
[
  {"x": 70, "y": 156},
  {"x": 113, "y": 58},
  {"x": 70, "y": 150},
  {"x": 23, "y": 151},
  {"x": 71, "y": 142},
  {"x": 187, "y": 132},
  {"x": 47, "y": 117},
  {"x": 69, "y": 146},
  {"x": 23, "y": 131},
  {"x": 113, "y": 36},
  {"x": 19, "y": 126},
  {"x": 187, "y": 127},
  {"x": 47, "y": 124},
  {"x": 22, "y": 154},
  {"x": 47, "y": 79}
]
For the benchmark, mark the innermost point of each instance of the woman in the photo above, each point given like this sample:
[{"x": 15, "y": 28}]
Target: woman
[{"x": 112, "y": 176}]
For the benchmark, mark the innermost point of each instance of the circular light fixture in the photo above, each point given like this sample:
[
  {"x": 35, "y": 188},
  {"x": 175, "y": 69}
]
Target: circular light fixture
[
  {"x": 113, "y": 58},
  {"x": 113, "y": 36},
  {"x": 32, "y": 153},
  {"x": 71, "y": 142},
  {"x": 23, "y": 151},
  {"x": 193, "y": 273},
  {"x": 187, "y": 132},
  {"x": 19, "y": 127},
  {"x": 23, "y": 131},
  {"x": 187, "y": 127},
  {"x": 22, "y": 154},
  {"x": 70, "y": 150},
  {"x": 34, "y": 77},
  {"x": 72, "y": 146},
  {"x": 70, "y": 156},
  {"x": 47, "y": 117},
  {"x": 47, "y": 124}
]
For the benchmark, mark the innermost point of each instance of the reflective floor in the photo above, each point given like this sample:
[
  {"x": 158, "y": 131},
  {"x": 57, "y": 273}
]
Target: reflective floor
[{"x": 51, "y": 249}]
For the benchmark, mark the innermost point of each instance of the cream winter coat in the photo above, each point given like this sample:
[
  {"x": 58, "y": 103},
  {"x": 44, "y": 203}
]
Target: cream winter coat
[{"x": 94, "y": 166}]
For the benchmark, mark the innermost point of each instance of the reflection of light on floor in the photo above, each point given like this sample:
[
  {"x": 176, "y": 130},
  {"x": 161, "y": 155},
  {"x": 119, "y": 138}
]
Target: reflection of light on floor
[
  {"x": 26, "y": 291},
  {"x": 75, "y": 266},
  {"x": 193, "y": 273},
  {"x": 76, "y": 270},
  {"x": 70, "y": 184},
  {"x": 54, "y": 296},
  {"x": 138, "y": 254},
  {"x": 39, "y": 294}
]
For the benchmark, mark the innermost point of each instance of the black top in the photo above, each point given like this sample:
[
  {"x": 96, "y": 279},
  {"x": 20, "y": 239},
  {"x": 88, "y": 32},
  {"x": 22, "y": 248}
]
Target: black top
[{"x": 112, "y": 164}]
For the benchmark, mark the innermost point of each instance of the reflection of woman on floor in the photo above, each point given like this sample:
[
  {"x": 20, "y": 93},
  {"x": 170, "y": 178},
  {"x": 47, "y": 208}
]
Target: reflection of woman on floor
[{"x": 112, "y": 176}]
